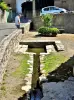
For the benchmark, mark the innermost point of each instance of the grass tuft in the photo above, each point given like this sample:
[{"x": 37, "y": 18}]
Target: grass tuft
[
  {"x": 22, "y": 69},
  {"x": 53, "y": 61}
]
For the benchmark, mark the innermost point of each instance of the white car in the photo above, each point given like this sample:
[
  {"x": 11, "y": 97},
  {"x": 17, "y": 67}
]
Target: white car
[{"x": 52, "y": 10}]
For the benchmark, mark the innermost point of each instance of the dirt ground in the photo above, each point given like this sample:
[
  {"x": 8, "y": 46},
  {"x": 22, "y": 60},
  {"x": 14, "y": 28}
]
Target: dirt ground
[{"x": 11, "y": 86}]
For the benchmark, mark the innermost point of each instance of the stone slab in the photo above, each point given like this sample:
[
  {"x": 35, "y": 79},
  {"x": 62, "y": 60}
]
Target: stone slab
[
  {"x": 59, "y": 91},
  {"x": 26, "y": 88}
]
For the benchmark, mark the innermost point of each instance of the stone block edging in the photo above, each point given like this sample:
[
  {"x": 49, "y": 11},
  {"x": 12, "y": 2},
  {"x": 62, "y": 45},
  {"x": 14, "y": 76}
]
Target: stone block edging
[{"x": 8, "y": 45}]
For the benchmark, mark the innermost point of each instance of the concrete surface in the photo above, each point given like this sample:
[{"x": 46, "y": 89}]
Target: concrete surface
[{"x": 6, "y": 29}]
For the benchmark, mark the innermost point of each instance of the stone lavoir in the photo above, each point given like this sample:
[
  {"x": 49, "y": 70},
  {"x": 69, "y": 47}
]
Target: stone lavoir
[
  {"x": 34, "y": 91},
  {"x": 39, "y": 80}
]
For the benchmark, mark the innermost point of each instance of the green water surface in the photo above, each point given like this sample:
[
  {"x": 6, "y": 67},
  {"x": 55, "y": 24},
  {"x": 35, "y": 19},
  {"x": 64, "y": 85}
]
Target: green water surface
[{"x": 36, "y": 65}]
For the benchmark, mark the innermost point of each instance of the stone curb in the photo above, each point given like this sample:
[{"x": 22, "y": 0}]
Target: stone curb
[{"x": 8, "y": 45}]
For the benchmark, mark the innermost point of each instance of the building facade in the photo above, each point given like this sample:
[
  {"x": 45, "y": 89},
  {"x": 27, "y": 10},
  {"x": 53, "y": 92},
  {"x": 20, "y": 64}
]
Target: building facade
[
  {"x": 67, "y": 4},
  {"x": 16, "y": 4}
]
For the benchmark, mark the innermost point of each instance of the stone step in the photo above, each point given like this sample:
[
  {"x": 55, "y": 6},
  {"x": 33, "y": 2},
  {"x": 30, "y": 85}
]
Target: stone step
[
  {"x": 42, "y": 71},
  {"x": 30, "y": 72},
  {"x": 43, "y": 78},
  {"x": 28, "y": 83},
  {"x": 30, "y": 61},
  {"x": 43, "y": 54},
  {"x": 59, "y": 46},
  {"x": 21, "y": 48},
  {"x": 26, "y": 88},
  {"x": 30, "y": 68},
  {"x": 28, "y": 75},
  {"x": 50, "y": 48},
  {"x": 42, "y": 65}
]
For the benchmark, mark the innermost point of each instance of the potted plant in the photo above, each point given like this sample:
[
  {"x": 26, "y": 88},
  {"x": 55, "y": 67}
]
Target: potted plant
[
  {"x": 43, "y": 31},
  {"x": 54, "y": 31},
  {"x": 47, "y": 29}
]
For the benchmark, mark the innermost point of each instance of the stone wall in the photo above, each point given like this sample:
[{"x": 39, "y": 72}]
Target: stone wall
[
  {"x": 8, "y": 45},
  {"x": 12, "y": 3},
  {"x": 3, "y": 18},
  {"x": 61, "y": 21},
  {"x": 67, "y": 4}
]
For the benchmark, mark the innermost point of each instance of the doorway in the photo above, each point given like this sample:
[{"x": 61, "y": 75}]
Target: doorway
[
  {"x": 27, "y": 6},
  {"x": 43, "y": 3}
]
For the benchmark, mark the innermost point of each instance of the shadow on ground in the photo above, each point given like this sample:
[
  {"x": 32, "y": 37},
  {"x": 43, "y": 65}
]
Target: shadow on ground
[{"x": 63, "y": 72}]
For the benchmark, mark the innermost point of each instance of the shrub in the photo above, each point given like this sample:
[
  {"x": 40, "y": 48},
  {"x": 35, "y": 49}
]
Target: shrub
[
  {"x": 47, "y": 20},
  {"x": 4, "y": 6},
  {"x": 43, "y": 30},
  {"x": 48, "y": 31},
  {"x": 54, "y": 30}
]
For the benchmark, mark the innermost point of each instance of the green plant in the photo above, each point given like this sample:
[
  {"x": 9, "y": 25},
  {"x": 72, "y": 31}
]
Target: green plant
[
  {"x": 53, "y": 61},
  {"x": 43, "y": 30},
  {"x": 4, "y": 6},
  {"x": 22, "y": 69},
  {"x": 47, "y": 20},
  {"x": 54, "y": 30},
  {"x": 48, "y": 31}
]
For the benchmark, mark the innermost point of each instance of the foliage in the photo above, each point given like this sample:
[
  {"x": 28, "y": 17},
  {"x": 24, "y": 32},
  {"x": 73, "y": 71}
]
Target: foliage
[
  {"x": 47, "y": 20},
  {"x": 22, "y": 69},
  {"x": 53, "y": 61},
  {"x": 43, "y": 30},
  {"x": 4, "y": 6},
  {"x": 48, "y": 31},
  {"x": 54, "y": 30}
]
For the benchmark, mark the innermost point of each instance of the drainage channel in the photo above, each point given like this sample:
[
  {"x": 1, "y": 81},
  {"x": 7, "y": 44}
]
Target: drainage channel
[
  {"x": 39, "y": 50},
  {"x": 36, "y": 92}
]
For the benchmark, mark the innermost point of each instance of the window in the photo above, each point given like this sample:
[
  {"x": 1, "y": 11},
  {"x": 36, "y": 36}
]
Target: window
[
  {"x": 52, "y": 8},
  {"x": 46, "y": 9},
  {"x": 56, "y": 8}
]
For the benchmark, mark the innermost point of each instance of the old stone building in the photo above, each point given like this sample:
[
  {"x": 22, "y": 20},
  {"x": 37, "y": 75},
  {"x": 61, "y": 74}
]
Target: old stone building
[
  {"x": 12, "y": 3},
  {"x": 68, "y": 4},
  {"x": 16, "y": 4}
]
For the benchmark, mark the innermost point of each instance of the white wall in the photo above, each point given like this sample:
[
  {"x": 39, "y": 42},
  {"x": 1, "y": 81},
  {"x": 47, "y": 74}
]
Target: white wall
[{"x": 18, "y": 5}]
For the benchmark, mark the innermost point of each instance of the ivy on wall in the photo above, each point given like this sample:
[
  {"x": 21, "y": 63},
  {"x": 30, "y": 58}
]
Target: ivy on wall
[{"x": 3, "y": 5}]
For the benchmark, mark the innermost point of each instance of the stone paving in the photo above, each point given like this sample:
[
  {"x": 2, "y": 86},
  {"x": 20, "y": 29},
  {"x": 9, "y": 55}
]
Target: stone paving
[
  {"x": 59, "y": 45},
  {"x": 6, "y": 29},
  {"x": 59, "y": 91}
]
